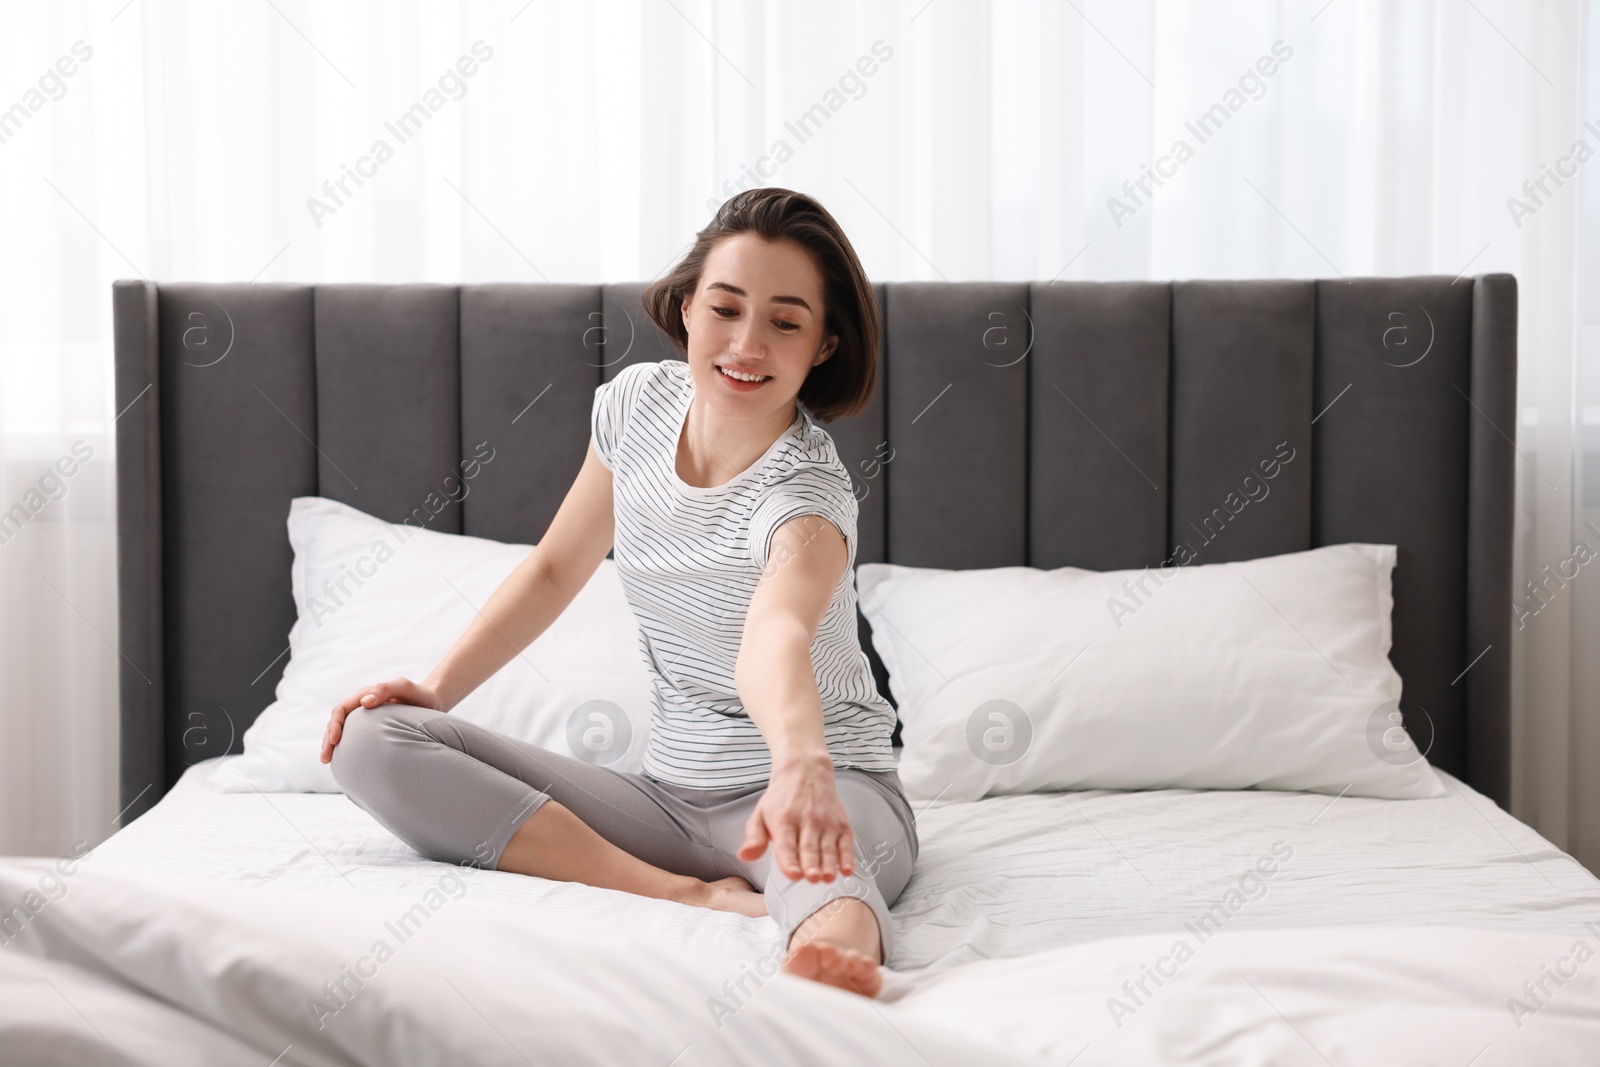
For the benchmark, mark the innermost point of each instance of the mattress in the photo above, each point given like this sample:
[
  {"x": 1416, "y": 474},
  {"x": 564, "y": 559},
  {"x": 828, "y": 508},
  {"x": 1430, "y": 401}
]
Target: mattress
[
  {"x": 1093, "y": 929},
  {"x": 996, "y": 878}
]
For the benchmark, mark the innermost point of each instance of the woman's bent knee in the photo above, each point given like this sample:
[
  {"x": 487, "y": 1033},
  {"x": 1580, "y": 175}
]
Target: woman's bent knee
[
  {"x": 358, "y": 757},
  {"x": 374, "y": 763}
]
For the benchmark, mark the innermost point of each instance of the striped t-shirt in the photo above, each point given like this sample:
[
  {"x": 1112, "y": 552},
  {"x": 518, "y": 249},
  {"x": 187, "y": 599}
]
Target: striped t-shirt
[{"x": 690, "y": 558}]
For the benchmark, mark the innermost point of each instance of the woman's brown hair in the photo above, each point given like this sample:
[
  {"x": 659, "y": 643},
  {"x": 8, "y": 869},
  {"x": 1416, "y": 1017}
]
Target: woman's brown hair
[{"x": 842, "y": 384}]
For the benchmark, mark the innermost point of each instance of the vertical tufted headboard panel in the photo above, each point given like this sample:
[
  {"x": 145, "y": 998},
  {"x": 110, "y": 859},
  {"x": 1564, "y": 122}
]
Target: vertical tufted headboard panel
[{"x": 1100, "y": 425}]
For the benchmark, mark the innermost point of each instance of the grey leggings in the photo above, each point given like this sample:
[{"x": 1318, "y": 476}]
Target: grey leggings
[{"x": 456, "y": 791}]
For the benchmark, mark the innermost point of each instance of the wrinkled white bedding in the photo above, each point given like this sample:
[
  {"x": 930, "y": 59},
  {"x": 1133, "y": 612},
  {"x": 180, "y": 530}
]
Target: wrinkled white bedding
[
  {"x": 1173, "y": 926},
  {"x": 1004, "y": 876},
  {"x": 135, "y": 968}
]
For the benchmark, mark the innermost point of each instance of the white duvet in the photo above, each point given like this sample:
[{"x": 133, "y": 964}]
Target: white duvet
[
  {"x": 133, "y": 968},
  {"x": 1086, "y": 928}
]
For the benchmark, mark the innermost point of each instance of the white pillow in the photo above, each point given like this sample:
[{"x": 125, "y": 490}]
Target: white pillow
[
  {"x": 377, "y": 600},
  {"x": 1271, "y": 673}
]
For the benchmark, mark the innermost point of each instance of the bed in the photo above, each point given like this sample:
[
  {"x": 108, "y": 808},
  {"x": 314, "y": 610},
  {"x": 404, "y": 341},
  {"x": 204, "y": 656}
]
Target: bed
[{"x": 1040, "y": 927}]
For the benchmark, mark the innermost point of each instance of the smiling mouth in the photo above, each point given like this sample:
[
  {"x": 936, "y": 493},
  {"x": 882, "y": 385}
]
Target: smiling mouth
[{"x": 751, "y": 380}]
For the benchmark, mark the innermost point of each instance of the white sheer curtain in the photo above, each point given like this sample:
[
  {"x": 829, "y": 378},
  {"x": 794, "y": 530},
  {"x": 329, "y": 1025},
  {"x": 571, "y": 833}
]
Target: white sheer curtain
[{"x": 954, "y": 140}]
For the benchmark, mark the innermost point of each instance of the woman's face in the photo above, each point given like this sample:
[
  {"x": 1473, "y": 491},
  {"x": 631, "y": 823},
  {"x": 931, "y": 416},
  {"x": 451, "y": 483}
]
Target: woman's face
[{"x": 757, "y": 311}]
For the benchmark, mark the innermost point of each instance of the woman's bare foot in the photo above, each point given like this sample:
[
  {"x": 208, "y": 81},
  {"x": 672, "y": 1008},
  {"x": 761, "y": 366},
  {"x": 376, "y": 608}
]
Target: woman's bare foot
[
  {"x": 730, "y": 894},
  {"x": 835, "y": 965}
]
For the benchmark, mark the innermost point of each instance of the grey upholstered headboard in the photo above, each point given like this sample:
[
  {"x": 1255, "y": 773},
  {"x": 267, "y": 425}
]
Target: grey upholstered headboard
[{"x": 1092, "y": 424}]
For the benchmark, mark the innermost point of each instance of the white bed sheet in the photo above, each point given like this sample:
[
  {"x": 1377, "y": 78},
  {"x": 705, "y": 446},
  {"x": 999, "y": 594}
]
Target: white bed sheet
[
  {"x": 212, "y": 931},
  {"x": 996, "y": 878}
]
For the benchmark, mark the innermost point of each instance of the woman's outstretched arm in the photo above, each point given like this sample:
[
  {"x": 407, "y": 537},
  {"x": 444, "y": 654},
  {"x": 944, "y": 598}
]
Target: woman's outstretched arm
[{"x": 800, "y": 813}]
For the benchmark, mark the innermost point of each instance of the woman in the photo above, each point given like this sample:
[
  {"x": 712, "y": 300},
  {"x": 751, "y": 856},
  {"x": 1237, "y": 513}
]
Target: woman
[{"x": 734, "y": 527}]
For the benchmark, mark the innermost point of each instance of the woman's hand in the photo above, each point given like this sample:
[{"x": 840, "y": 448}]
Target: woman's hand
[
  {"x": 398, "y": 691},
  {"x": 801, "y": 815}
]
